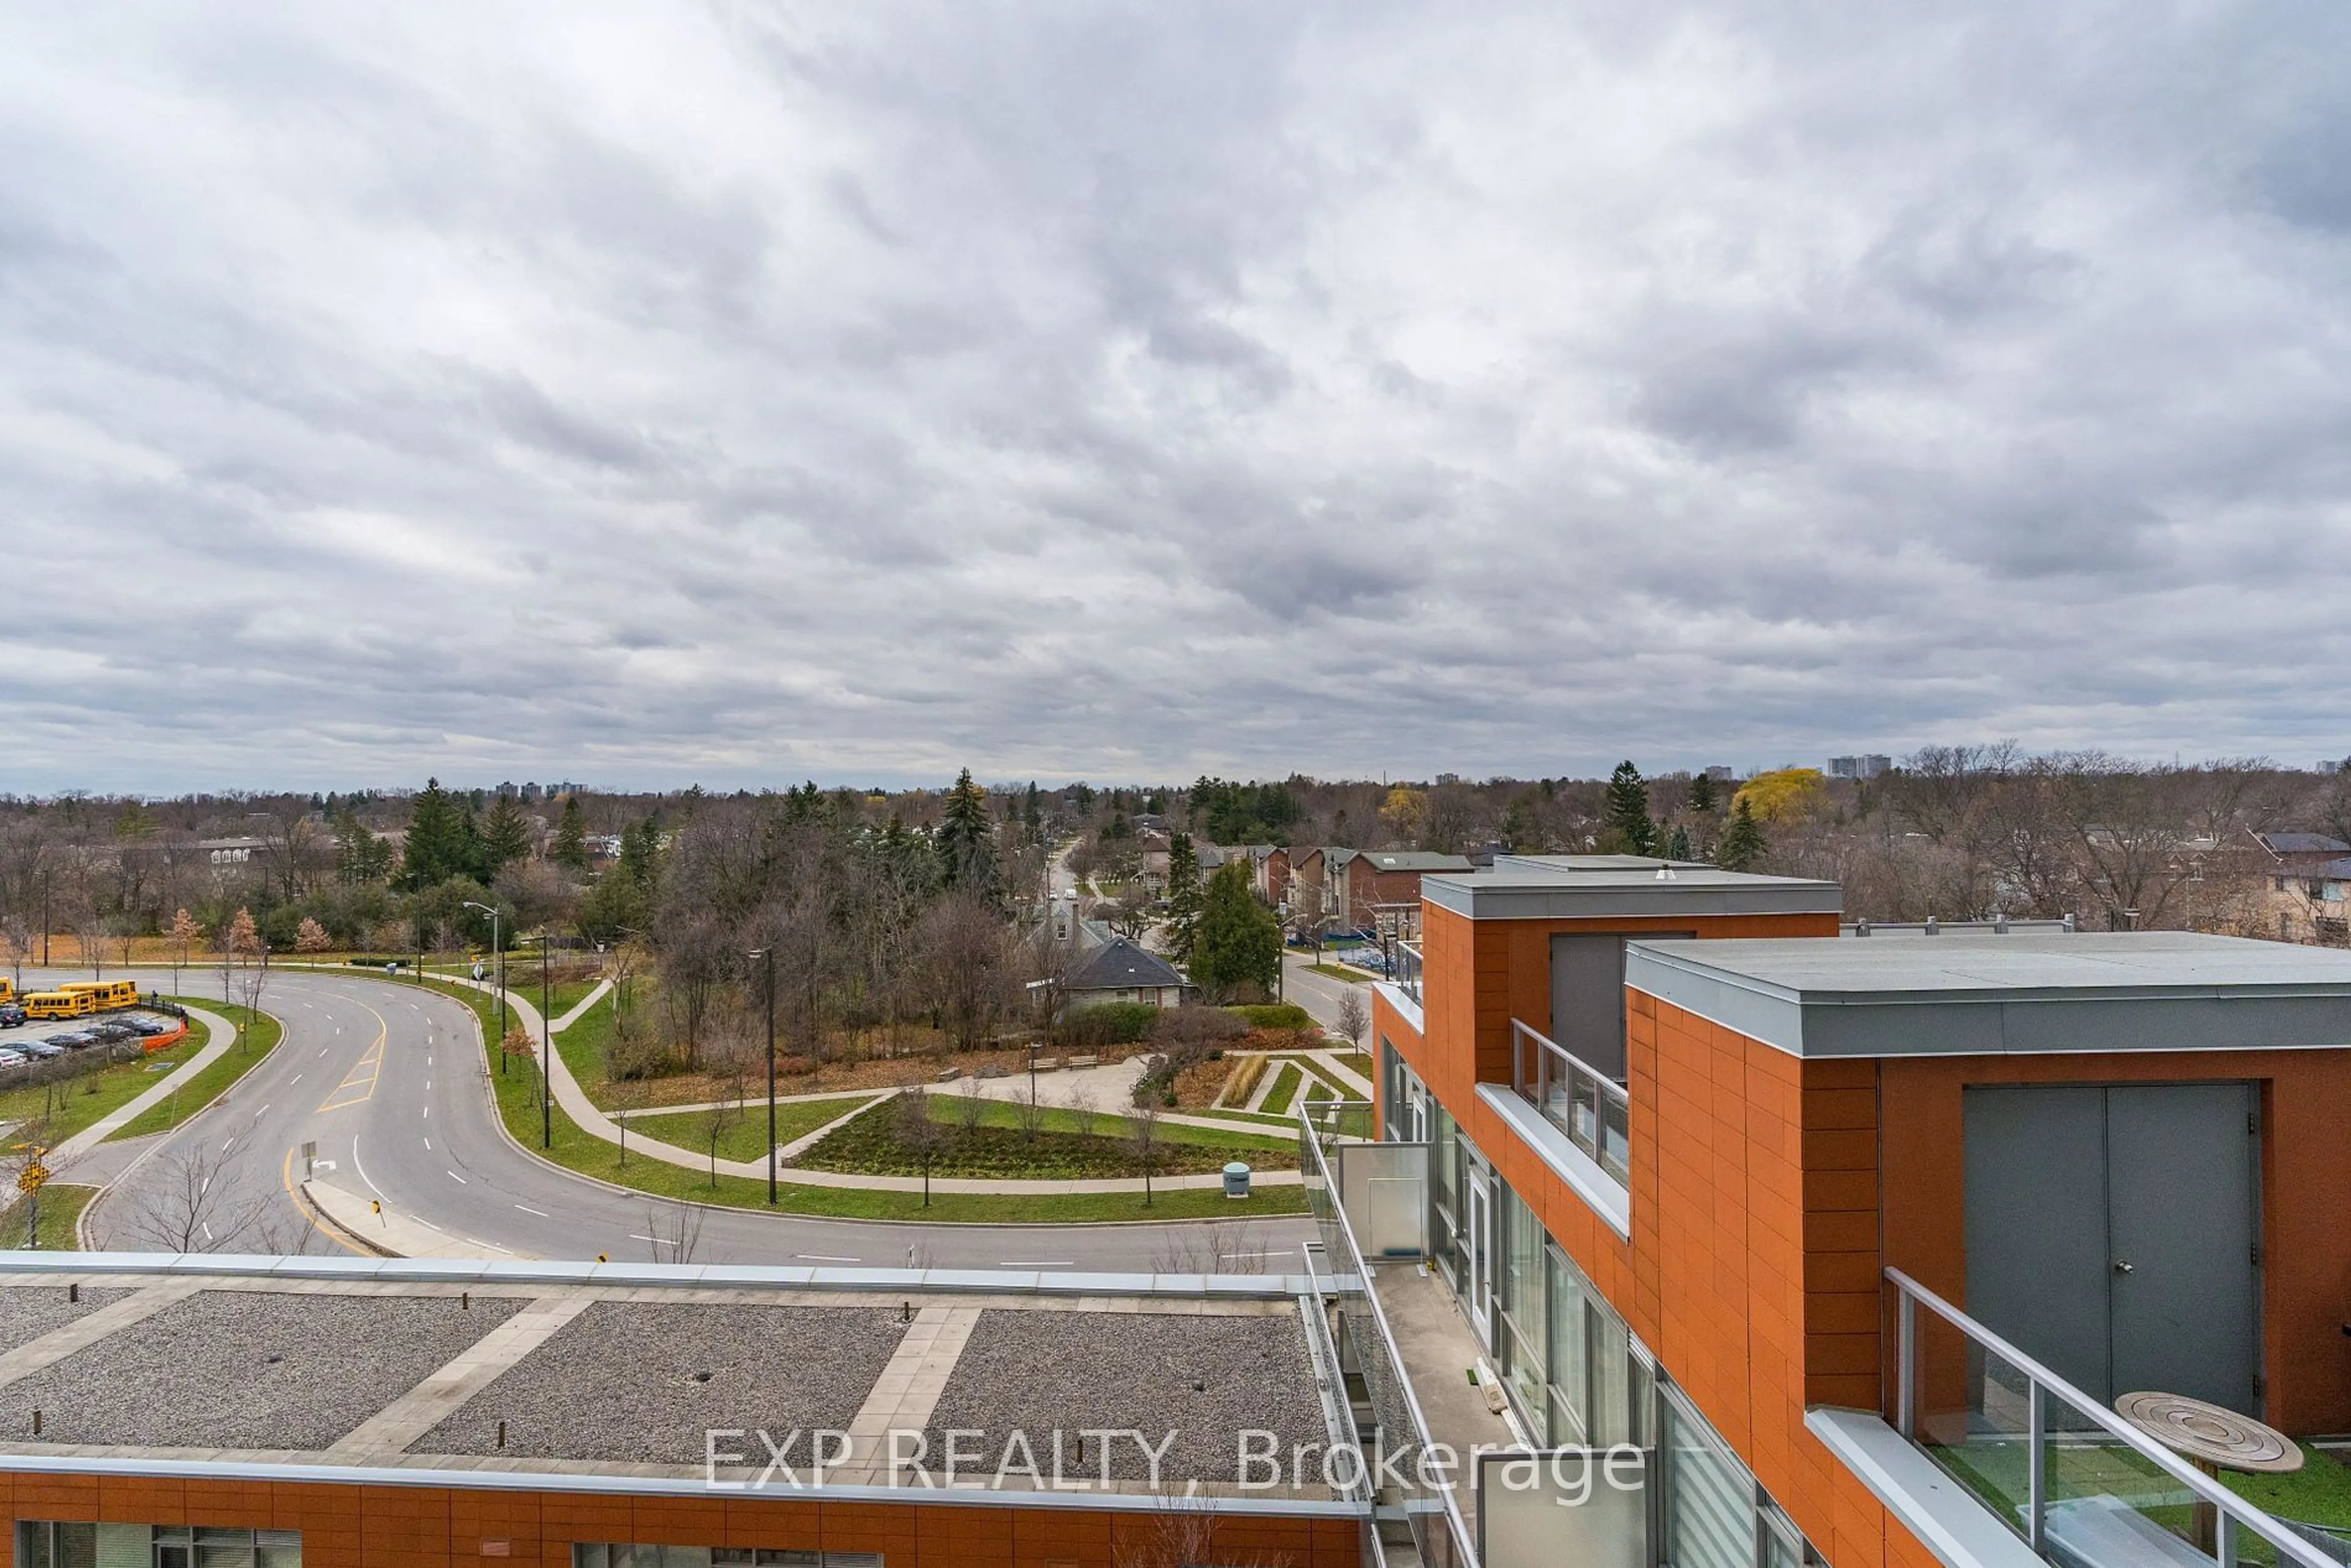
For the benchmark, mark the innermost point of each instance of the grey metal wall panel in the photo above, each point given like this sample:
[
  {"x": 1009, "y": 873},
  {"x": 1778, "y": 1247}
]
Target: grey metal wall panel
[
  {"x": 2035, "y": 1166},
  {"x": 2180, "y": 1163},
  {"x": 1587, "y": 999}
]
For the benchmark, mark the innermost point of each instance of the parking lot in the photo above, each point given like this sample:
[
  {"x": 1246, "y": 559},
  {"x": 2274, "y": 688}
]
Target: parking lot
[{"x": 105, "y": 1037}]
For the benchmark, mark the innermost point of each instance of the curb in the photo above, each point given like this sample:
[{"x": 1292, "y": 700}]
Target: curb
[{"x": 499, "y": 1122}]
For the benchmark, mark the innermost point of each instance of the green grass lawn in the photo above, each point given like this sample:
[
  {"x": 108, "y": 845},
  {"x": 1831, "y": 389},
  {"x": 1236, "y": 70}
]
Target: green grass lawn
[
  {"x": 1358, "y": 1061},
  {"x": 61, "y": 1207},
  {"x": 1340, "y": 972},
  {"x": 877, "y": 1145},
  {"x": 262, "y": 1034},
  {"x": 574, "y": 1150},
  {"x": 744, "y": 1136},
  {"x": 61, "y": 1109},
  {"x": 1286, "y": 1079}
]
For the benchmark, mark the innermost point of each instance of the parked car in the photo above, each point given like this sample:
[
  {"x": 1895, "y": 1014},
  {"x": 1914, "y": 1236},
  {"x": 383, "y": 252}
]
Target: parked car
[
  {"x": 147, "y": 1028},
  {"x": 111, "y": 1032},
  {"x": 47, "y": 1050},
  {"x": 12, "y": 1059},
  {"x": 69, "y": 1039},
  {"x": 11, "y": 1015}
]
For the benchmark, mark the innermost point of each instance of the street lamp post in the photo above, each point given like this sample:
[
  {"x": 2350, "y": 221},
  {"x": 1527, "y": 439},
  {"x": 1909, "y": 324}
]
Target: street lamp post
[
  {"x": 497, "y": 956},
  {"x": 545, "y": 1045},
  {"x": 766, "y": 956}
]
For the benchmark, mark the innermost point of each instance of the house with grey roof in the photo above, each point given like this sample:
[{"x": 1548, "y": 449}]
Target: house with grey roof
[{"x": 1120, "y": 970}]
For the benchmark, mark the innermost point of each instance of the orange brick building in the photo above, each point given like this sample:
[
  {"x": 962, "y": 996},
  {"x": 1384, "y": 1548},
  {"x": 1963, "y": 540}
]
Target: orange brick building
[{"x": 2118, "y": 1153}]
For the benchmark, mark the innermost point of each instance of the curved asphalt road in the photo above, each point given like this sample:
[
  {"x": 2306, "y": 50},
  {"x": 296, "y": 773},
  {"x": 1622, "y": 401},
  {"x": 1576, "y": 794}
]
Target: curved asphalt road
[{"x": 387, "y": 1080}]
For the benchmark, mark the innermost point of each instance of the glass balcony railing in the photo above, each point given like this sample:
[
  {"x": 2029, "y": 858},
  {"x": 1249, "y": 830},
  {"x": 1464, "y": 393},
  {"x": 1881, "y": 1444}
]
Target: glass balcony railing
[
  {"x": 1581, "y": 1101},
  {"x": 2079, "y": 1483},
  {"x": 1414, "y": 1521},
  {"x": 1407, "y": 970}
]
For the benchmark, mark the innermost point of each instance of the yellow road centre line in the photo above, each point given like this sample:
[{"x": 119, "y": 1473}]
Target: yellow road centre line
[{"x": 358, "y": 1086}]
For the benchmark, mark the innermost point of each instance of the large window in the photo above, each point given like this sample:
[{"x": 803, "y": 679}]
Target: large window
[
  {"x": 1571, "y": 1413},
  {"x": 42, "y": 1543},
  {"x": 1526, "y": 1308},
  {"x": 1445, "y": 1246}
]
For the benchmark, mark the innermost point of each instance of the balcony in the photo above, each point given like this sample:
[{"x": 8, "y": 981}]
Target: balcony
[
  {"x": 1590, "y": 1108},
  {"x": 2043, "y": 1469}
]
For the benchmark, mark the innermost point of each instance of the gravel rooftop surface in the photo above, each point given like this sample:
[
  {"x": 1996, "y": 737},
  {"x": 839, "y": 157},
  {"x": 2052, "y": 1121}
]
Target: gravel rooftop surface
[
  {"x": 644, "y": 1382},
  {"x": 1043, "y": 1371},
  {"x": 251, "y": 1369},
  {"x": 29, "y": 1312}
]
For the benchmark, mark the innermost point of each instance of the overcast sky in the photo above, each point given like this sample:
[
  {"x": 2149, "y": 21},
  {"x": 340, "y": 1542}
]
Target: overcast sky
[{"x": 1128, "y": 392}]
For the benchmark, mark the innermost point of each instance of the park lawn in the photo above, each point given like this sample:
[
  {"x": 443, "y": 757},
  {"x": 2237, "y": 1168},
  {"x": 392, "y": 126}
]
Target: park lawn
[
  {"x": 61, "y": 1207},
  {"x": 877, "y": 1145},
  {"x": 576, "y": 1150},
  {"x": 1276, "y": 1099},
  {"x": 262, "y": 1033},
  {"x": 950, "y": 1109},
  {"x": 1343, "y": 972},
  {"x": 744, "y": 1136},
  {"x": 60, "y": 1110},
  {"x": 1359, "y": 1061}
]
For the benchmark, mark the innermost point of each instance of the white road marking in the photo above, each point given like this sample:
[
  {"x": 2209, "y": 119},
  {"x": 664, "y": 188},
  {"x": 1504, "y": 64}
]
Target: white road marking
[
  {"x": 322, "y": 1050},
  {"x": 257, "y": 1115},
  {"x": 458, "y": 1179},
  {"x": 803, "y": 1257},
  {"x": 296, "y": 1078},
  {"x": 428, "y": 1083},
  {"x": 528, "y": 1209},
  {"x": 1055, "y": 1263},
  {"x": 656, "y": 1241},
  {"x": 206, "y": 1188},
  {"x": 363, "y": 1169},
  {"x": 428, "y": 1144},
  {"x": 428, "y": 1113},
  {"x": 230, "y": 1145},
  {"x": 208, "y": 1230}
]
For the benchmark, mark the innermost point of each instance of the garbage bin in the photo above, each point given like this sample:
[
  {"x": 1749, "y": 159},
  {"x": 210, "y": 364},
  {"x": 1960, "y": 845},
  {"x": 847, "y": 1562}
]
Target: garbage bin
[{"x": 1237, "y": 1179}]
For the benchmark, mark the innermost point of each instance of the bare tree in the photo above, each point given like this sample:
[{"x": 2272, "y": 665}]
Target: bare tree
[
  {"x": 1353, "y": 1017},
  {"x": 1210, "y": 1248},
  {"x": 1030, "y": 1111},
  {"x": 918, "y": 1134},
  {"x": 1143, "y": 1136},
  {"x": 734, "y": 1080},
  {"x": 674, "y": 1231},
  {"x": 970, "y": 966},
  {"x": 971, "y": 1107},
  {"x": 192, "y": 1203}
]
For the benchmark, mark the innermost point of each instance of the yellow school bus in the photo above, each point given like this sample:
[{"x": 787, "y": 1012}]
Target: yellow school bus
[
  {"x": 106, "y": 994},
  {"x": 7, "y": 989},
  {"x": 61, "y": 1005}
]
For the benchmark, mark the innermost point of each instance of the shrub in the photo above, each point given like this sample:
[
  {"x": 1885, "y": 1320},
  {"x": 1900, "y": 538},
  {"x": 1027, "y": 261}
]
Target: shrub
[
  {"x": 1110, "y": 1023},
  {"x": 1275, "y": 1015},
  {"x": 1198, "y": 1028},
  {"x": 1243, "y": 1082}
]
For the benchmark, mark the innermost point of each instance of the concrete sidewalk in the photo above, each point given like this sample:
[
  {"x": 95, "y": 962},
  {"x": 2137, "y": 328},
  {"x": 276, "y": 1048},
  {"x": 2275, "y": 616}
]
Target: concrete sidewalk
[
  {"x": 381, "y": 1230},
  {"x": 219, "y": 1035},
  {"x": 592, "y": 1119}
]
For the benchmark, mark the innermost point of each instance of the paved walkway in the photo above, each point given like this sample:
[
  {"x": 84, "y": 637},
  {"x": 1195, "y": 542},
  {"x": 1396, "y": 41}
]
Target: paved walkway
[
  {"x": 219, "y": 1036},
  {"x": 579, "y": 1008},
  {"x": 592, "y": 1120},
  {"x": 387, "y": 1232}
]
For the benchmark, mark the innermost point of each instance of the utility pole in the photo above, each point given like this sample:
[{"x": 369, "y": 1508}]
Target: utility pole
[
  {"x": 45, "y": 920},
  {"x": 767, "y": 955}
]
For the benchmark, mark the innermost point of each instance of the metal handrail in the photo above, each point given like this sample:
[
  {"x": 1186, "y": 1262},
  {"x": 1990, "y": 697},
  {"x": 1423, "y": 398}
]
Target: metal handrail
[
  {"x": 1591, "y": 1095},
  {"x": 1409, "y": 968},
  {"x": 1463, "y": 1541},
  {"x": 2234, "y": 1512}
]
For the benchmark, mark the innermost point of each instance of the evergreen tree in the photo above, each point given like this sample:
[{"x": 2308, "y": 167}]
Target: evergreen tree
[
  {"x": 966, "y": 841},
  {"x": 1701, "y": 795},
  {"x": 505, "y": 837},
  {"x": 1626, "y": 828},
  {"x": 1742, "y": 843},
  {"x": 571, "y": 836},
  {"x": 1183, "y": 902},
  {"x": 1238, "y": 941},
  {"x": 1678, "y": 843},
  {"x": 440, "y": 834}
]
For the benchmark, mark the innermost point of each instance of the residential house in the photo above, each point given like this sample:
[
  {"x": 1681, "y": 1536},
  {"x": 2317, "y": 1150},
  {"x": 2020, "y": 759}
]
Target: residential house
[
  {"x": 1120, "y": 970},
  {"x": 2307, "y": 878}
]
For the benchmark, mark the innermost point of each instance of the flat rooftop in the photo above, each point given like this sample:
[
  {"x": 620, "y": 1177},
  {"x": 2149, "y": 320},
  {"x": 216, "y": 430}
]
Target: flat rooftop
[
  {"x": 2033, "y": 992},
  {"x": 648, "y": 1378},
  {"x": 1537, "y": 887}
]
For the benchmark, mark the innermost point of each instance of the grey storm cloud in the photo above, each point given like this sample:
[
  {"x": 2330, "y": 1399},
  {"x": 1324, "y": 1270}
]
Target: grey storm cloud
[{"x": 1135, "y": 390}]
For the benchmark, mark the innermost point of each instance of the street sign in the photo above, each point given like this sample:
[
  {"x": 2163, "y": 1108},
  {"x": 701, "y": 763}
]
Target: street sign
[{"x": 30, "y": 1178}]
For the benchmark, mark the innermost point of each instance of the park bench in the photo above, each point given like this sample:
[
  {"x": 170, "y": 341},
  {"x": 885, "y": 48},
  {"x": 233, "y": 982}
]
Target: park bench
[{"x": 1076, "y": 1061}]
